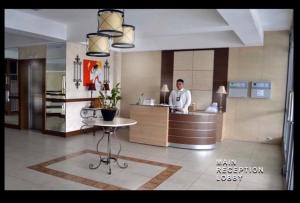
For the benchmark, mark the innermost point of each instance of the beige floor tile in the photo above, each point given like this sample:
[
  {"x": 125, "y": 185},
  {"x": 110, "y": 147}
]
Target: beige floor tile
[
  {"x": 25, "y": 147},
  {"x": 209, "y": 182}
]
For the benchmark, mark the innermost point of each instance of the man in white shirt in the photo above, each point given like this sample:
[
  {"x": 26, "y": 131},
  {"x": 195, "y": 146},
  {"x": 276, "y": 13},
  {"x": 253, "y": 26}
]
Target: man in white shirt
[{"x": 180, "y": 99}]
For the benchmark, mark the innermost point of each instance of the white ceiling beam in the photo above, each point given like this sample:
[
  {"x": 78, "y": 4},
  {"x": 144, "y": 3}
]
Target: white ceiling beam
[
  {"x": 24, "y": 22},
  {"x": 246, "y": 25},
  {"x": 186, "y": 41}
]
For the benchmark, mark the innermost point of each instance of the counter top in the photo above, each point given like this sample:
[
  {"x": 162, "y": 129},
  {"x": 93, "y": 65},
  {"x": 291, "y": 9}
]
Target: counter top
[
  {"x": 196, "y": 113},
  {"x": 155, "y": 105},
  {"x": 200, "y": 112}
]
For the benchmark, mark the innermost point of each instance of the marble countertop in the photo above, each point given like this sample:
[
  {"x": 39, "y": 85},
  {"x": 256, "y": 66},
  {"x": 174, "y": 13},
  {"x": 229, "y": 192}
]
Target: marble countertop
[{"x": 155, "y": 105}]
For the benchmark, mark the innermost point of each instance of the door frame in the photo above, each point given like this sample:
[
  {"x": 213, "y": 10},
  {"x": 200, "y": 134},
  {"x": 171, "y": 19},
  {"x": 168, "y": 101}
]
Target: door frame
[{"x": 23, "y": 65}]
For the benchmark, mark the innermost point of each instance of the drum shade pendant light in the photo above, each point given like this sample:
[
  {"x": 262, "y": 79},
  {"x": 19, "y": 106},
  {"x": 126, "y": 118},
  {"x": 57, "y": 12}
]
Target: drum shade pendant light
[
  {"x": 110, "y": 22},
  {"x": 111, "y": 28},
  {"x": 98, "y": 45},
  {"x": 127, "y": 40}
]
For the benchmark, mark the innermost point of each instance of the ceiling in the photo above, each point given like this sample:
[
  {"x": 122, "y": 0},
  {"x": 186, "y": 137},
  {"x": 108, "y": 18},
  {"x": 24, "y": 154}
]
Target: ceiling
[
  {"x": 21, "y": 39},
  {"x": 157, "y": 29}
]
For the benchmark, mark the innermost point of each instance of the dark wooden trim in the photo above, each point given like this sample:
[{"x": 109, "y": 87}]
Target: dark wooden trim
[
  {"x": 167, "y": 66},
  {"x": 192, "y": 125},
  {"x": 55, "y": 115},
  {"x": 220, "y": 75},
  {"x": 7, "y": 125},
  {"x": 70, "y": 100},
  {"x": 198, "y": 129},
  {"x": 80, "y": 99},
  {"x": 12, "y": 113},
  {"x": 55, "y": 100},
  {"x": 195, "y": 49},
  {"x": 43, "y": 61},
  {"x": 55, "y": 92},
  {"x": 205, "y": 117},
  {"x": 188, "y": 133},
  {"x": 14, "y": 97},
  {"x": 23, "y": 93},
  {"x": 56, "y": 133},
  {"x": 23, "y": 90},
  {"x": 78, "y": 132},
  {"x": 53, "y": 107}
]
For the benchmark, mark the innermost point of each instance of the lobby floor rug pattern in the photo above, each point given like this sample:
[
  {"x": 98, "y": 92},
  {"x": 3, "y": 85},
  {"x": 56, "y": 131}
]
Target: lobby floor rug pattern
[{"x": 160, "y": 172}]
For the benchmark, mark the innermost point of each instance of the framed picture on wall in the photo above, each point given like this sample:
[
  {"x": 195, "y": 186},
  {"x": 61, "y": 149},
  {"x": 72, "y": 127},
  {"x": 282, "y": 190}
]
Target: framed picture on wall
[{"x": 93, "y": 73}]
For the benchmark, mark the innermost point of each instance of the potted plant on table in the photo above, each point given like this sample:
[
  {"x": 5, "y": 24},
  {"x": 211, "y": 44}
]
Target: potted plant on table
[{"x": 110, "y": 103}]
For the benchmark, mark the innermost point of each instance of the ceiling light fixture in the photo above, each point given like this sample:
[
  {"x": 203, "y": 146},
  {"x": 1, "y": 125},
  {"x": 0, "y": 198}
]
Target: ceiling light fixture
[
  {"x": 127, "y": 39},
  {"x": 110, "y": 25},
  {"x": 97, "y": 45},
  {"x": 110, "y": 22}
]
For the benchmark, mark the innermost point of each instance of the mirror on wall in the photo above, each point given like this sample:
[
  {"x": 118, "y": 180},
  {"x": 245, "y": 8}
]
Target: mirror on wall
[
  {"x": 55, "y": 87},
  {"x": 11, "y": 88}
]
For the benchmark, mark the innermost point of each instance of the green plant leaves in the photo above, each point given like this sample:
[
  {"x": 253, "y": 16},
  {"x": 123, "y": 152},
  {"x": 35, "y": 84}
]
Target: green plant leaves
[{"x": 113, "y": 98}]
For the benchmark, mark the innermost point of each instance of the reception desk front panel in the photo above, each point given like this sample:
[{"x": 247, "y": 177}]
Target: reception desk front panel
[
  {"x": 157, "y": 126},
  {"x": 152, "y": 124},
  {"x": 193, "y": 130}
]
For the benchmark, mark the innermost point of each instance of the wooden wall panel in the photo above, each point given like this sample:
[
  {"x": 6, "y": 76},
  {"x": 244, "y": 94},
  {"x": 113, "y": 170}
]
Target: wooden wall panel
[
  {"x": 23, "y": 92},
  {"x": 220, "y": 73},
  {"x": 167, "y": 63}
]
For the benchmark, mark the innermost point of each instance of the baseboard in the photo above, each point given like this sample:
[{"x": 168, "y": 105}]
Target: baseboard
[{"x": 11, "y": 126}]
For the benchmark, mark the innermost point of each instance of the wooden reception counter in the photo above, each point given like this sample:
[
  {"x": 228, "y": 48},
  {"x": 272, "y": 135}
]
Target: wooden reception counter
[
  {"x": 158, "y": 126},
  {"x": 196, "y": 130},
  {"x": 152, "y": 124}
]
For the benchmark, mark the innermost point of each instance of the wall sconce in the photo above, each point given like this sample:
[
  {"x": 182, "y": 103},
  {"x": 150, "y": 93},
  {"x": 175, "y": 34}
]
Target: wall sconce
[
  {"x": 106, "y": 76},
  {"x": 77, "y": 71}
]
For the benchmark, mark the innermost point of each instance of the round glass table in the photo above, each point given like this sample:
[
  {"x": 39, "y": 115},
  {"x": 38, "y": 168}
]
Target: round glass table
[{"x": 109, "y": 129}]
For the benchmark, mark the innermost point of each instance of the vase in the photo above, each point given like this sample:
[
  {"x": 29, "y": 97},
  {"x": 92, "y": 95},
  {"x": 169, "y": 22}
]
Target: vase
[{"x": 108, "y": 114}]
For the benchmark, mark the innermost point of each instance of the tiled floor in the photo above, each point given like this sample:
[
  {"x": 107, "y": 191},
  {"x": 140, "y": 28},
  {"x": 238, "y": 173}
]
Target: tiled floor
[{"x": 197, "y": 172}]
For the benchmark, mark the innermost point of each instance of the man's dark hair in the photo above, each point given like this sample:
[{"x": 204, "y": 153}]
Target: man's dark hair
[{"x": 180, "y": 80}]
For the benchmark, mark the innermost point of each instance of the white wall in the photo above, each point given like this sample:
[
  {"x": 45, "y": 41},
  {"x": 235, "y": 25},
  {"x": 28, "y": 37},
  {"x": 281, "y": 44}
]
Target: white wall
[
  {"x": 11, "y": 53},
  {"x": 73, "y": 119}
]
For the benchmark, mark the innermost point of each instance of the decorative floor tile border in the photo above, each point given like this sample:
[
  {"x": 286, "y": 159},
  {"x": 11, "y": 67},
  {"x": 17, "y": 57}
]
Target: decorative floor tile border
[{"x": 150, "y": 185}]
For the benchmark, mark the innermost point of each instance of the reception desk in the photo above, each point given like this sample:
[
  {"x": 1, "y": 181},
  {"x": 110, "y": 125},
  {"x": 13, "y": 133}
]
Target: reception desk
[
  {"x": 152, "y": 124},
  {"x": 196, "y": 130},
  {"x": 158, "y": 126}
]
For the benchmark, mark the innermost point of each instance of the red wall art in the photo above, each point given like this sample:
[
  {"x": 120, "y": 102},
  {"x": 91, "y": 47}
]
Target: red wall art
[{"x": 92, "y": 72}]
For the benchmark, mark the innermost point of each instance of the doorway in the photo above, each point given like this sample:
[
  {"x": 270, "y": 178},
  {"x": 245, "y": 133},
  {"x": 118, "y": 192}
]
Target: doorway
[{"x": 32, "y": 94}]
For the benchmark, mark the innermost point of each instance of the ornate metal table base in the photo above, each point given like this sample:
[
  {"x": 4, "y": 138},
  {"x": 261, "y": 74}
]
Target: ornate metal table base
[
  {"x": 84, "y": 115},
  {"x": 107, "y": 159}
]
